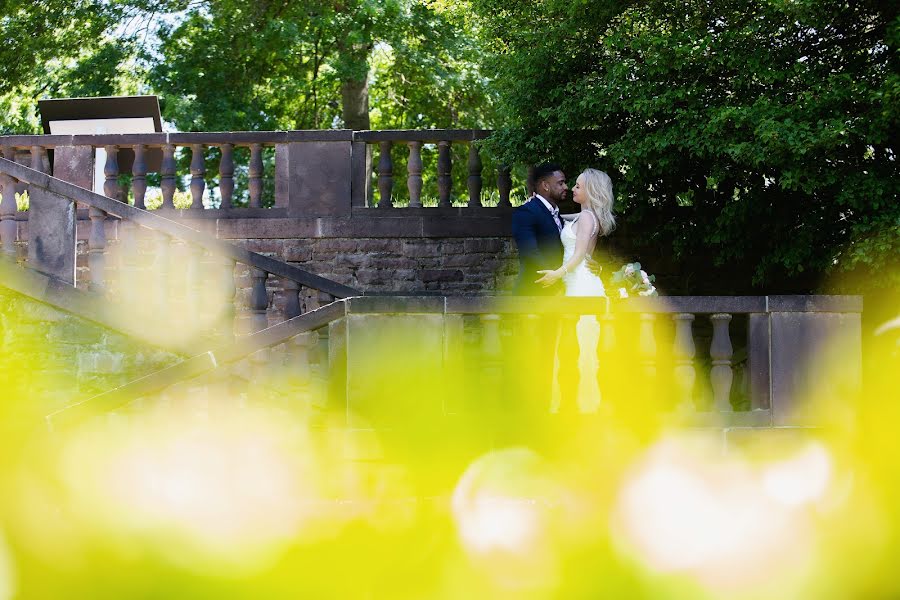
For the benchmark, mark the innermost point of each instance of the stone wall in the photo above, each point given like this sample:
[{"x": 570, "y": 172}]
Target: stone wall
[
  {"x": 406, "y": 251},
  {"x": 405, "y": 265},
  {"x": 51, "y": 358}
]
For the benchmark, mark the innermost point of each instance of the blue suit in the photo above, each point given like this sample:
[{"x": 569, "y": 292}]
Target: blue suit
[{"x": 537, "y": 240}]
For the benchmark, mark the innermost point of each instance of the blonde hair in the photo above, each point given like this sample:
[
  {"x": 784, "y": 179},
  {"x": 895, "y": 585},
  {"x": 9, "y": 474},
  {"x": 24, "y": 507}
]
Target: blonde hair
[{"x": 598, "y": 187}]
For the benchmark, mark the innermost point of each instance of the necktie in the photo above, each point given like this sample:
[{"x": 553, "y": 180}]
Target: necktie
[{"x": 557, "y": 219}]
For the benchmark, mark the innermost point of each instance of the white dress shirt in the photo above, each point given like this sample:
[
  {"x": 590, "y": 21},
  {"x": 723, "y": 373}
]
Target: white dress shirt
[{"x": 553, "y": 211}]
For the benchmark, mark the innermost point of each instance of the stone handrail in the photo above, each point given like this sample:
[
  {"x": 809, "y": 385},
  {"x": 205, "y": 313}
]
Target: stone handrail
[
  {"x": 783, "y": 334},
  {"x": 149, "y": 220},
  {"x": 195, "y": 366}
]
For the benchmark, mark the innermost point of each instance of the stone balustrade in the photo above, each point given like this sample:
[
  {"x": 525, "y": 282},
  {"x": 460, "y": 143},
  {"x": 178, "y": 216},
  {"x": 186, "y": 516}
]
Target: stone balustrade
[
  {"x": 194, "y": 272},
  {"x": 390, "y": 360},
  {"x": 317, "y": 173},
  {"x": 686, "y": 351}
]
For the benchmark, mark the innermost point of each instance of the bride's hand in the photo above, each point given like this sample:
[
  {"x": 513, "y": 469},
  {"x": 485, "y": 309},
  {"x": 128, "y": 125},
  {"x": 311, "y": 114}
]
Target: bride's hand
[{"x": 549, "y": 277}]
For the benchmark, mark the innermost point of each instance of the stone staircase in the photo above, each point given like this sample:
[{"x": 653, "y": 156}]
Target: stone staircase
[{"x": 207, "y": 308}]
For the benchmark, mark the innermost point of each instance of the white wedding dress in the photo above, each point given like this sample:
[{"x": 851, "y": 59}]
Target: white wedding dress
[{"x": 580, "y": 281}]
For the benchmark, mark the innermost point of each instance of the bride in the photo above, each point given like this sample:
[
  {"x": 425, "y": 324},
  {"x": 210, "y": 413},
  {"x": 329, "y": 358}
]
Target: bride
[{"x": 593, "y": 192}]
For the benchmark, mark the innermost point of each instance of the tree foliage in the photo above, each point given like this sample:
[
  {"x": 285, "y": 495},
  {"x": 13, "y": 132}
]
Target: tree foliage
[
  {"x": 764, "y": 132},
  {"x": 241, "y": 64}
]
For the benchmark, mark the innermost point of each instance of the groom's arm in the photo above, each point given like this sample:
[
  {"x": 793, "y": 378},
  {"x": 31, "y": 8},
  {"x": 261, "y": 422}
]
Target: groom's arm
[{"x": 524, "y": 230}]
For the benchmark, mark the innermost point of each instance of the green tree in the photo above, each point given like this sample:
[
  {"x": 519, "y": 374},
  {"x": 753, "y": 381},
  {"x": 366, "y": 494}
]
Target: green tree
[
  {"x": 764, "y": 132},
  {"x": 237, "y": 64}
]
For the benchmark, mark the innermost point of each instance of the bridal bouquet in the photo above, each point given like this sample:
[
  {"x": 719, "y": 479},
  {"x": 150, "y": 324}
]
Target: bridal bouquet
[{"x": 631, "y": 279}]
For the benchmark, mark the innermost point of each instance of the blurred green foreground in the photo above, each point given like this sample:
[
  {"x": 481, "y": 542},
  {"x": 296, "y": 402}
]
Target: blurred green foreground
[{"x": 254, "y": 500}]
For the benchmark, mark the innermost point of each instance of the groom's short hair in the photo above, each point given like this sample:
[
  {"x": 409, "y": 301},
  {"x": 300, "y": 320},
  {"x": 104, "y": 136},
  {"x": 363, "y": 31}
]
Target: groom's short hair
[{"x": 542, "y": 171}]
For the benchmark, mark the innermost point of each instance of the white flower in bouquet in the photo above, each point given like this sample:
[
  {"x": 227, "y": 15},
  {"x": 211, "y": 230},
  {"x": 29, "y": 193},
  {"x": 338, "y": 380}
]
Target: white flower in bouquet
[{"x": 631, "y": 279}]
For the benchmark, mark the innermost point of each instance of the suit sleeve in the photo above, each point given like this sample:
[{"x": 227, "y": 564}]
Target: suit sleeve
[{"x": 525, "y": 234}]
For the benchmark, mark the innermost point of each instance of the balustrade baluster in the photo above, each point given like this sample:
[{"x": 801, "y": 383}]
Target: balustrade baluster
[
  {"x": 228, "y": 290},
  {"x": 198, "y": 171},
  {"x": 647, "y": 344},
  {"x": 162, "y": 273},
  {"x": 256, "y": 173},
  {"x": 167, "y": 176},
  {"x": 139, "y": 175},
  {"x": 195, "y": 287},
  {"x": 473, "y": 183},
  {"x": 111, "y": 172},
  {"x": 414, "y": 171},
  {"x": 129, "y": 259},
  {"x": 444, "y": 169},
  {"x": 721, "y": 352},
  {"x": 39, "y": 158},
  {"x": 226, "y": 175},
  {"x": 610, "y": 367},
  {"x": 684, "y": 352},
  {"x": 292, "y": 299},
  {"x": 385, "y": 176},
  {"x": 492, "y": 353},
  {"x": 259, "y": 300},
  {"x": 299, "y": 359},
  {"x": 8, "y": 207},
  {"x": 607, "y": 334},
  {"x": 504, "y": 185},
  {"x": 453, "y": 399},
  {"x": 179, "y": 272},
  {"x": 97, "y": 249}
]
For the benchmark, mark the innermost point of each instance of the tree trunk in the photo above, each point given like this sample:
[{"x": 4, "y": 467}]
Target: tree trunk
[
  {"x": 355, "y": 102},
  {"x": 353, "y": 70}
]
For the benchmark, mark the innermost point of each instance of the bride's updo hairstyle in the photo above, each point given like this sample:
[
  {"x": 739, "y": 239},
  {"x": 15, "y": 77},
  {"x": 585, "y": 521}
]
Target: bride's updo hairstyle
[{"x": 598, "y": 187}]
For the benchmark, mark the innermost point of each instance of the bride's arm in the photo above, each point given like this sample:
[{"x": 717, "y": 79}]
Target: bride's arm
[
  {"x": 569, "y": 216},
  {"x": 583, "y": 233}
]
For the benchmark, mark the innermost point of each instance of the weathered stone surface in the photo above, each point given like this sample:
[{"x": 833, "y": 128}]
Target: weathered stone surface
[
  {"x": 487, "y": 265},
  {"x": 314, "y": 179},
  {"x": 51, "y": 247},
  {"x": 830, "y": 369},
  {"x": 52, "y": 358},
  {"x": 441, "y": 275}
]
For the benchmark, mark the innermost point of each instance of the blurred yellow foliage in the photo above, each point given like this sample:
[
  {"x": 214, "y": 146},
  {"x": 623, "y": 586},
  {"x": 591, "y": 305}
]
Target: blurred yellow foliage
[{"x": 250, "y": 499}]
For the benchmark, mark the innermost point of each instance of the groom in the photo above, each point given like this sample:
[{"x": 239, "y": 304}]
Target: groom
[{"x": 536, "y": 227}]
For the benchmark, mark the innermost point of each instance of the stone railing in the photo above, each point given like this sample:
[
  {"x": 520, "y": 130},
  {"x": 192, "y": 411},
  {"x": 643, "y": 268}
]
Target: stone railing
[
  {"x": 414, "y": 140},
  {"x": 193, "y": 272},
  {"x": 317, "y": 173},
  {"x": 321, "y": 206},
  {"x": 461, "y": 352}
]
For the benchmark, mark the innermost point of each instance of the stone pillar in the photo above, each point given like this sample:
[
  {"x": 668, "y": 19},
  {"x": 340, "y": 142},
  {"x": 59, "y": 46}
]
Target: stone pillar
[
  {"x": 816, "y": 355},
  {"x": 313, "y": 179},
  {"x": 51, "y": 218},
  {"x": 51, "y": 234}
]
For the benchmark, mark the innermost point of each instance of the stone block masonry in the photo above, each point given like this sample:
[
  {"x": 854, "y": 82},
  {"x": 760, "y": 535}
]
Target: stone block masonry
[{"x": 51, "y": 358}]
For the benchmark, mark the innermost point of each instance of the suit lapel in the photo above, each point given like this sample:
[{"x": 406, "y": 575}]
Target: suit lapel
[{"x": 546, "y": 215}]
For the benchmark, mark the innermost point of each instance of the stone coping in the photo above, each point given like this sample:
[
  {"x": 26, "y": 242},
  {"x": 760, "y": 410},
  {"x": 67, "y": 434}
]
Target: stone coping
[
  {"x": 239, "y": 138},
  {"x": 269, "y": 138},
  {"x": 594, "y": 305}
]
